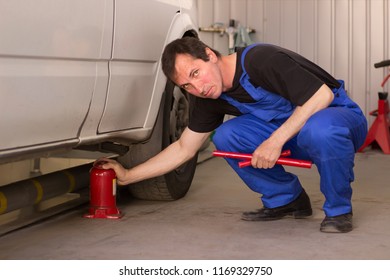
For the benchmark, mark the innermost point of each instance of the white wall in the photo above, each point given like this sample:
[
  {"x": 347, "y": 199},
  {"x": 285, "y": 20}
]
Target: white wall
[{"x": 345, "y": 37}]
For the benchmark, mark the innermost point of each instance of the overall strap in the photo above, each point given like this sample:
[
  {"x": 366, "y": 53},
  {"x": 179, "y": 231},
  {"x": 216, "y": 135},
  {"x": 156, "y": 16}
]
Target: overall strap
[{"x": 248, "y": 48}]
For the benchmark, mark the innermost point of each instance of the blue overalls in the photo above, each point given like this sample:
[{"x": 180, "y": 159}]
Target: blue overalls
[{"x": 329, "y": 138}]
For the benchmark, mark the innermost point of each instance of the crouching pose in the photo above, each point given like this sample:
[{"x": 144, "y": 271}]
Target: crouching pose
[{"x": 281, "y": 101}]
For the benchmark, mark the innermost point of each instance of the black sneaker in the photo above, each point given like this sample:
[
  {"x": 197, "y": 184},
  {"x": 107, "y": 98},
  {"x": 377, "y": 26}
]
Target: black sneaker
[
  {"x": 341, "y": 223},
  {"x": 298, "y": 209}
]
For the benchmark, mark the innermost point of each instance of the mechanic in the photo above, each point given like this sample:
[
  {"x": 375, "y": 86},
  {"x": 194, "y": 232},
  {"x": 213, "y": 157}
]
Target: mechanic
[{"x": 281, "y": 101}]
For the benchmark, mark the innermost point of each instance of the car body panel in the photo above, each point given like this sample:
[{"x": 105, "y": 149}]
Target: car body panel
[
  {"x": 80, "y": 72},
  {"x": 34, "y": 119},
  {"x": 48, "y": 67},
  {"x": 135, "y": 61},
  {"x": 70, "y": 29}
]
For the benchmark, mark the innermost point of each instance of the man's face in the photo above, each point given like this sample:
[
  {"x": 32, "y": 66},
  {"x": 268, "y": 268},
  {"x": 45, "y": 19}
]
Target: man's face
[{"x": 198, "y": 77}]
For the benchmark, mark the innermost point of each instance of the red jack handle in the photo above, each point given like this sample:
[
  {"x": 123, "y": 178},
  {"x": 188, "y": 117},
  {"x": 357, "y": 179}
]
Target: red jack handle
[
  {"x": 281, "y": 160},
  {"x": 284, "y": 161},
  {"x": 285, "y": 153}
]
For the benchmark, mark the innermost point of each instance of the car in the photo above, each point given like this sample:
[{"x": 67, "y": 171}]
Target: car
[{"x": 86, "y": 75}]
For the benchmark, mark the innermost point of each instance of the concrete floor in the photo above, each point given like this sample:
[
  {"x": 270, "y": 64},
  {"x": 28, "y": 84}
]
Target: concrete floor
[{"x": 206, "y": 224}]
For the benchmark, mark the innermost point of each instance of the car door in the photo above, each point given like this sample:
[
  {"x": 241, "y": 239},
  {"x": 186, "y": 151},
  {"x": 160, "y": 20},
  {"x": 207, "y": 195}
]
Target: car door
[
  {"x": 49, "y": 55},
  {"x": 141, "y": 28}
]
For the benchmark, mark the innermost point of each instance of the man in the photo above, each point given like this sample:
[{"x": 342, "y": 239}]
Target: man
[{"x": 282, "y": 101}]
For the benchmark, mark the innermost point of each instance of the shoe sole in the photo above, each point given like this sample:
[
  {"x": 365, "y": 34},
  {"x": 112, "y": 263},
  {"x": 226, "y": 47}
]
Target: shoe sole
[
  {"x": 338, "y": 224},
  {"x": 300, "y": 214},
  {"x": 333, "y": 229}
]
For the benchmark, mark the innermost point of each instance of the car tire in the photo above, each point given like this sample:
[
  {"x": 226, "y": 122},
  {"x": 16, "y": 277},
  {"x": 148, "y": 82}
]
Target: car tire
[{"x": 172, "y": 118}]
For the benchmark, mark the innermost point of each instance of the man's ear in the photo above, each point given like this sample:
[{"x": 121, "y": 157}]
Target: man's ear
[{"x": 212, "y": 56}]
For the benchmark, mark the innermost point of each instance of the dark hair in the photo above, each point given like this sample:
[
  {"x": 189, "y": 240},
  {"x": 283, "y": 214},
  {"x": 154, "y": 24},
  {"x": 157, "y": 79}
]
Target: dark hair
[{"x": 186, "y": 45}]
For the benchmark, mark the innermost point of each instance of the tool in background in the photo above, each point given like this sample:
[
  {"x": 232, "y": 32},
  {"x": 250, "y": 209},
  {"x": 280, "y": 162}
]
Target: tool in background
[
  {"x": 237, "y": 36},
  {"x": 379, "y": 131},
  {"x": 248, "y": 157}
]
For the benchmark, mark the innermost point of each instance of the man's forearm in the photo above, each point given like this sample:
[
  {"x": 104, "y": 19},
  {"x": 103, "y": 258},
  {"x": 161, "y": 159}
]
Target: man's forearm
[
  {"x": 268, "y": 152},
  {"x": 320, "y": 100},
  {"x": 167, "y": 160}
]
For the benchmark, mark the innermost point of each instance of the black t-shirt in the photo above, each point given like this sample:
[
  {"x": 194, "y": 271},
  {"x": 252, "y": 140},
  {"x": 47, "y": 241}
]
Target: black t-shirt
[{"x": 271, "y": 67}]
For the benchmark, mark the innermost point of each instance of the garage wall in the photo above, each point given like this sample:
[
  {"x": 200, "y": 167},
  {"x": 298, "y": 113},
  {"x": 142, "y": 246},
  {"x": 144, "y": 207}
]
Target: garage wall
[{"x": 345, "y": 37}]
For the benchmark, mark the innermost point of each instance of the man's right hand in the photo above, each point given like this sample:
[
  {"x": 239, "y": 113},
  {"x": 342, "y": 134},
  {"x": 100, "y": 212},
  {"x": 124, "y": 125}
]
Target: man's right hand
[{"x": 120, "y": 171}]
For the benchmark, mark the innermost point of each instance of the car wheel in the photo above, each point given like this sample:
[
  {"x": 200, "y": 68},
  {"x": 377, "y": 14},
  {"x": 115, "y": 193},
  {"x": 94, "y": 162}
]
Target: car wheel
[{"x": 172, "y": 119}]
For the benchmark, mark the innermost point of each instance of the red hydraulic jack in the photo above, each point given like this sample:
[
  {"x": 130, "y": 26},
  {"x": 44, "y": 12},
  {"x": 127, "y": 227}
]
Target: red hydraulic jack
[
  {"x": 103, "y": 194},
  {"x": 380, "y": 129}
]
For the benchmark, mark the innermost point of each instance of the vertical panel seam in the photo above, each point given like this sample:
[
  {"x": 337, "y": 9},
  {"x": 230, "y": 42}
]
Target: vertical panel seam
[
  {"x": 368, "y": 55},
  {"x": 386, "y": 35},
  {"x": 350, "y": 47},
  {"x": 316, "y": 30},
  {"x": 298, "y": 26},
  {"x": 332, "y": 37},
  {"x": 280, "y": 22}
]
